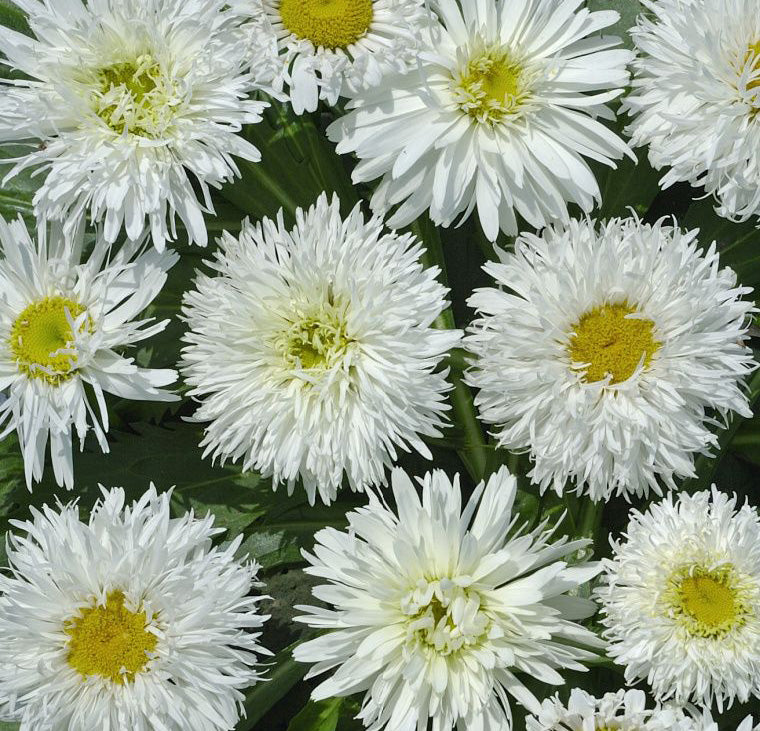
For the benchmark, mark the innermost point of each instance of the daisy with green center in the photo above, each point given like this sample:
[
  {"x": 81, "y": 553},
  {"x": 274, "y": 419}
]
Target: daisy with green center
[
  {"x": 134, "y": 102},
  {"x": 324, "y": 49},
  {"x": 625, "y": 710},
  {"x": 64, "y": 317},
  {"x": 312, "y": 353},
  {"x": 607, "y": 352},
  {"x": 501, "y": 115},
  {"x": 130, "y": 620},
  {"x": 436, "y": 609},
  {"x": 681, "y": 599},
  {"x": 696, "y": 98}
]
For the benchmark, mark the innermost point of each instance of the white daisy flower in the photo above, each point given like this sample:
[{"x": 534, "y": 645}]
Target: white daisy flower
[
  {"x": 132, "y": 101},
  {"x": 681, "y": 599},
  {"x": 624, "y": 710},
  {"x": 313, "y": 352},
  {"x": 129, "y": 621},
  {"x": 608, "y": 352},
  {"x": 323, "y": 49},
  {"x": 437, "y": 608},
  {"x": 696, "y": 97},
  {"x": 500, "y": 115},
  {"x": 705, "y": 722},
  {"x": 61, "y": 325}
]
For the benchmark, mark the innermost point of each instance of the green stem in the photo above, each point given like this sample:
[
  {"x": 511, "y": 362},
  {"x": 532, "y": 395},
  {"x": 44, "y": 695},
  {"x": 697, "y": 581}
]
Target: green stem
[{"x": 474, "y": 451}]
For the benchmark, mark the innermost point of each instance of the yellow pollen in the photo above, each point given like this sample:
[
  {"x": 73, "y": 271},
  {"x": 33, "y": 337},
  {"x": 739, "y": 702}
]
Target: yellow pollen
[
  {"x": 707, "y": 602},
  {"x": 38, "y": 336},
  {"x": 107, "y": 638},
  {"x": 491, "y": 88},
  {"x": 327, "y": 23},
  {"x": 610, "y": 342}
]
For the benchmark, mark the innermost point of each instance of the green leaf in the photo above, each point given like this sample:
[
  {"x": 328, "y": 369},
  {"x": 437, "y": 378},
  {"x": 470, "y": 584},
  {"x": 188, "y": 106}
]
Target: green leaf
[
  {"x": 11, "y": 16},
  {"x": 317, "y": 716},
  {"x": 629, "y": 11},
  {"x": 16, "y": 194},
  {"x": 283, "y": 675}
]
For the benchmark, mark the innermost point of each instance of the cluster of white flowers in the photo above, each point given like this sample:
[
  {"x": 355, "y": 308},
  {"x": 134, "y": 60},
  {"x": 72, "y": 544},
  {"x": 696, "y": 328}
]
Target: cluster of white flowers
[{"x": 609, "y": 351}]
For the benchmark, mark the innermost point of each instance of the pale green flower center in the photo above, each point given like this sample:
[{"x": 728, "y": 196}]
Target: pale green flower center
[
  {"x": 106, "y": 638},
  {"x": 611, "y": 342},
  {"x": 754, "y": 53},
  {"x": 444, "y": 617},
  {"x": 708, "y": 602},
  {"x": 492, "y": 87},
  {"x": 327, "y": 23},
  {"x": 135, "y": 96},
  {"x": 41, "y": 339}
]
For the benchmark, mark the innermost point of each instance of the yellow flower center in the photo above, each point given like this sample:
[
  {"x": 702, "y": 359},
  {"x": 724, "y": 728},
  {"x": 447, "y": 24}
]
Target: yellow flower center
[
  {"x": 491, "y": 88},
  {"x": 612, "y": 343},
  {"x": 327, "y": 23},
  {"x": 109, "y": 639},
  {"x": 41, "y": 339},
  {"x": 132, "y": 95},
  {"x": 707, "y": 602}
]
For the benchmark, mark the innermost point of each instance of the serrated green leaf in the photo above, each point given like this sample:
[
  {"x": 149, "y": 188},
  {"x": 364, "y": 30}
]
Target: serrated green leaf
[{"x": 317, "y": 716}]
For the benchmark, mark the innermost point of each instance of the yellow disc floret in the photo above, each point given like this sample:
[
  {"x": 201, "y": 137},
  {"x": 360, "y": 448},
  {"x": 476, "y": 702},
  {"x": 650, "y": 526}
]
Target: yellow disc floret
[
  {"x": 327, "y": 23},
  {"x": 491, "y": 88},
  {"x": 612, "y": 343},
  {"x": 41, "y": 339},
  {"x": 707, "y": 602},
  {"x": 110, "y": 640}
]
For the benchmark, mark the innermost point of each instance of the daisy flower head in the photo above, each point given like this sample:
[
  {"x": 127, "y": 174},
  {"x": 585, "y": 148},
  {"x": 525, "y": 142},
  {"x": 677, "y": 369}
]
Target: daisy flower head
[
  {"x": 696, "y": 97},
  {"x": 312, "y": 351},
  {"x": 64, "y": 317},
  {"x": 324, "y": 49},
  {"x": 132, "y": 101},
  {"x": 606, "y": 352},
  {"x": 499, "y": 115},
  {"x": 130, "y": 620},
  {"x": 438, "y": 605},
  {"x": 681, "y": 599},
  {"x": 625, "y": 710}
]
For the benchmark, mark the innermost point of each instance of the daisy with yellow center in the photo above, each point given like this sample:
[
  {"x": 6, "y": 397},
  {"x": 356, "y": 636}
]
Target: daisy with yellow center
[
  {"x": 324, "y": 49},
  {"x": 602, "y": 350},
  {"x": 439, "y": 610},
  {"x": 681, "y": 599},
  {"x": 142, "y": 607},
  {"x": 63, "y": 321},
  {"x": 499, "y": 116}
]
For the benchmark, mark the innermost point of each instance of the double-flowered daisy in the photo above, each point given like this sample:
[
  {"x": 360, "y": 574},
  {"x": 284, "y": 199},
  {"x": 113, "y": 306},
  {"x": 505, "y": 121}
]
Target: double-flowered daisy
[
  {"x": 499, "y": 115},
  {"x": 681, "y": 599},
  {"x": 127, "y": 105},
  {"x": 324, "y": 49},
  {"x": 438, "y": 607},
  {"x": 312, "y": 351},
  {"x": 696, "y": 97},
  {"x": 607, "y": 352},
  {"x": 625, "y": 710},
  {"x": 64, "y": 318},
  {"x": 130, "y": 620}
]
